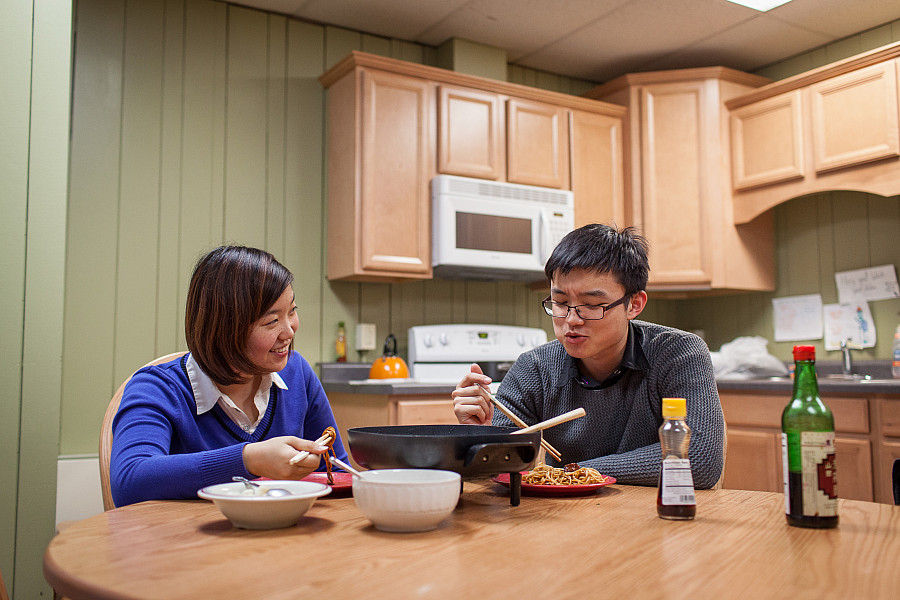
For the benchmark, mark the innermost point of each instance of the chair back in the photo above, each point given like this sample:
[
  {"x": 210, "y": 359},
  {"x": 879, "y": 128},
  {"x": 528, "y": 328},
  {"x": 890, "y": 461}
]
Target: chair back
[
  {"x": 895, "y": 477},
  {"x": 3, "y": 594},
  {"x": 106, "y": 431}
]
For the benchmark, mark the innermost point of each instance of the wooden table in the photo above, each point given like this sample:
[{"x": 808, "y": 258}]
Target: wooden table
[{"x": 609, "y": 544}]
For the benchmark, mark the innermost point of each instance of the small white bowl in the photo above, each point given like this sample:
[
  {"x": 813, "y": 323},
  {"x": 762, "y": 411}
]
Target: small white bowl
[
  {"x": 264, "y": 512},
  {"x": 404, "y": 500}
]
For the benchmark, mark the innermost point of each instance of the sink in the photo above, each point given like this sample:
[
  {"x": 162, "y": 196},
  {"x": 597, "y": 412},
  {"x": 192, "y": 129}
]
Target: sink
[{"x": 850, "y": 377}]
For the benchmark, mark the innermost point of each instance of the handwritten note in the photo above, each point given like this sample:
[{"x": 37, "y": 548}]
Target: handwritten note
[
  {"x": 875, "y": 283},
  {"x": 851, "y": 322},
  {"x": 798, "y": 318}
]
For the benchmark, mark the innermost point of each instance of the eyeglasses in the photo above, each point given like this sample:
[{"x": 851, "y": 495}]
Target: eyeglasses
[{"x": 585, "y": 312}]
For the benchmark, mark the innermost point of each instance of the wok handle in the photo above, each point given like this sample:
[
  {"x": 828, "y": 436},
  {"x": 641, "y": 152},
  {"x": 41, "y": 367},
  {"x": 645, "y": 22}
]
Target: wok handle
[{"x": 500, "y": 453}]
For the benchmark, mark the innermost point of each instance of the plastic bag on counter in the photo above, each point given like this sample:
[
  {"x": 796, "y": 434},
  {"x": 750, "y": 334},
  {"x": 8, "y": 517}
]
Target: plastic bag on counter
[{"x": 746, "y": 358}]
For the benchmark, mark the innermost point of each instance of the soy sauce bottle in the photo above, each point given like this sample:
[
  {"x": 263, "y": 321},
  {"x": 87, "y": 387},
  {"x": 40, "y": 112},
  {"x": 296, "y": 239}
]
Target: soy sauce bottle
[
  {"x": 807, "y": 443},
  {"x": 675, "y": 498}
]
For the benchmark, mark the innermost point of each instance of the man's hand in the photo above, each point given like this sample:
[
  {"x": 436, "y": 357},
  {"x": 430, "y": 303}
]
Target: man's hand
[{"x": 471, "y": 399}]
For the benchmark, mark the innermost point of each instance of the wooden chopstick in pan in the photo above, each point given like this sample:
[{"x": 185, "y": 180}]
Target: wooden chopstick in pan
[
  {"x": 572, "y": 414},
  {"x": 515, "y": 419}
]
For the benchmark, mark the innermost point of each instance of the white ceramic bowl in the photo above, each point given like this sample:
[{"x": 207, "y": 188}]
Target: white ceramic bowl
[
  {"x": 264, "y": 512},
  {"x": 399, "y": 500}
]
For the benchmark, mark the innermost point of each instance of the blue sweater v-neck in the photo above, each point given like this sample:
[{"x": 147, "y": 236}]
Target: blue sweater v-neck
[{"x": 162, "y": 449}]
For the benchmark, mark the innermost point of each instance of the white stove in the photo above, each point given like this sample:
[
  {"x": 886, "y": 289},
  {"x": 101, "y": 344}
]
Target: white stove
[{"x": 444, "y": 353}]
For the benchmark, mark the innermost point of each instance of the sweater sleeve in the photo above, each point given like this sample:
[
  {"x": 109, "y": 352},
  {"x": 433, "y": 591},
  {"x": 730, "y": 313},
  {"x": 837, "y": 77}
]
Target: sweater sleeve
[{"x": 142, "y": 467}]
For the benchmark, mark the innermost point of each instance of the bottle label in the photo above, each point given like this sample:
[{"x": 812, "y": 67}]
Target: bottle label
[
  {"x": 817, "y": 473},
  {"x": 677, "y": 482}
]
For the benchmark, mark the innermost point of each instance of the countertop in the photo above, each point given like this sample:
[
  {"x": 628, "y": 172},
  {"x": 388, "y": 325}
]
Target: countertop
[{"x": 351, "y": 378}]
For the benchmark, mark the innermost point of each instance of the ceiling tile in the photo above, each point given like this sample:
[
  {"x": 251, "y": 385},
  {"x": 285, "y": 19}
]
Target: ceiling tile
[{"x": 746, "y": 46}]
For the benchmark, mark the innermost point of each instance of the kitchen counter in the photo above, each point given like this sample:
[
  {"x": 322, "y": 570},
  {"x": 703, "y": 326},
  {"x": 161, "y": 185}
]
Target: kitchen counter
[{"x": 350, "y": 378}]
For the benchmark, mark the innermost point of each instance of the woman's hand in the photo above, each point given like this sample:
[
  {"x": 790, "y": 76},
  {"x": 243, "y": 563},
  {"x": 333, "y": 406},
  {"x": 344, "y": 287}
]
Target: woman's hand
[
  {"x": 271, "y": 458},
  {"x": 471, "y": 399}
]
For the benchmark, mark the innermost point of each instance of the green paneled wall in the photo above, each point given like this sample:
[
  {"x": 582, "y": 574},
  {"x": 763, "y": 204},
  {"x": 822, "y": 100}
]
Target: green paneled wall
[{"x": 197, "y": 123}]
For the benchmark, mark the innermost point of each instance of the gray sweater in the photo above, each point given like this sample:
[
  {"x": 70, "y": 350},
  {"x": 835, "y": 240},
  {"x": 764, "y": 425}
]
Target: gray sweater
[{"x": 619, "y": 434}]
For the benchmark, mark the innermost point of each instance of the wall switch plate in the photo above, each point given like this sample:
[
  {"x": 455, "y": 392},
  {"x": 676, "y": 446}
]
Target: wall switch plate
[{"x": 365, "y": 336}]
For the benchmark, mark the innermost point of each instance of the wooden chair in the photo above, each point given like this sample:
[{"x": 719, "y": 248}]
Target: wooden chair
[
  {"x": 895, "y": 478},
  {"x": 106, "y": 431},
  {"x": 3, "y": 593}
]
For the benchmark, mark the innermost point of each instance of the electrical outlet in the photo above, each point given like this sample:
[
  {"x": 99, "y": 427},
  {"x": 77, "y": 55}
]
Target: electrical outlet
[{"x": 365, "y": 337}]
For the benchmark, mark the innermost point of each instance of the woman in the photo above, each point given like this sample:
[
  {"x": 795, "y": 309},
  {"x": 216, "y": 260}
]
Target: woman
[{"x": 241, "y": 402}]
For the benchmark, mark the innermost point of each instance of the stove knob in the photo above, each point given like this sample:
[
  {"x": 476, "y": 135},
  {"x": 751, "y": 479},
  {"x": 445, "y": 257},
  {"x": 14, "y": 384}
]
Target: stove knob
[
  {"x": 444, "y": 339},
  {"x": 520, "y": 338},
  {"x": 536, "y": 341},
  {"x": 427, "y": 341}
]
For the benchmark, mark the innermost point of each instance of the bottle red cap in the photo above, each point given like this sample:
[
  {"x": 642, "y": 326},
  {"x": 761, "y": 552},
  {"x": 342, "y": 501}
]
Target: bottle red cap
[{"x": 804, "y": 353}]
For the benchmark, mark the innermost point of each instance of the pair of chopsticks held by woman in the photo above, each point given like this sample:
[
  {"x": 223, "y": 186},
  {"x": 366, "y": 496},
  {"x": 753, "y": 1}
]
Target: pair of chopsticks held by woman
[{"x": 243, "y": 402}]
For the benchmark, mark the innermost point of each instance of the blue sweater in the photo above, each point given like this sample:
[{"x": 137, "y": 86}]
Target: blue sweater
[{"x": 163, "y": 450}]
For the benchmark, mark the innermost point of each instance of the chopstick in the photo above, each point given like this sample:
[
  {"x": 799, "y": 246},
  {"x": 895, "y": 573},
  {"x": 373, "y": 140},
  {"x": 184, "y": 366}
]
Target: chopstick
[
  {"x": 303, "y": 453},
  {"x": 515, "y": 419},
  {"x": 572, "y": 414}
]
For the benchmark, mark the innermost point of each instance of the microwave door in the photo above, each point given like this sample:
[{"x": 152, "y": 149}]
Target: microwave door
[{"x": 492, "y": 234}]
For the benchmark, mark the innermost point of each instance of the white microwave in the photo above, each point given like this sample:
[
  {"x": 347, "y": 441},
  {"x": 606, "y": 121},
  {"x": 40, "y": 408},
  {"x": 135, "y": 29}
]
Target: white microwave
[{"x": 494, "y": 230}]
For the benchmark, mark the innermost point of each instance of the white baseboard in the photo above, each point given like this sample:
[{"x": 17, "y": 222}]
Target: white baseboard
[{"x": 78, "y": 494}]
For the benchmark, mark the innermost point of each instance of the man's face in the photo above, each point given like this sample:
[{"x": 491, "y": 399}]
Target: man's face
[{"x": 602, "y": 339}]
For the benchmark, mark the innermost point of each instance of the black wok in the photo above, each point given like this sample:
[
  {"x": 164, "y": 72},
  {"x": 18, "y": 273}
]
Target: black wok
[{"x": 469, "y": 450}]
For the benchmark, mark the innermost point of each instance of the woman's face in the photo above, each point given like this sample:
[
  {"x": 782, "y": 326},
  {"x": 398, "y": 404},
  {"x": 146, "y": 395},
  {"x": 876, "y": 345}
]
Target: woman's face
[{"x": 270, "y": 337}]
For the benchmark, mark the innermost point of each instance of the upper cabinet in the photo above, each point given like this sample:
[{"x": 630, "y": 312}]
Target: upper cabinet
[
  {"x": 394, "y": 125},
  {"x": 678, "y": 188},
  {"x": 831, "y": 128}
]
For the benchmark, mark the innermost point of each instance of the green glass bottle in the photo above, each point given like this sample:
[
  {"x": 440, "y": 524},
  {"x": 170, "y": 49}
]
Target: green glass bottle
[{"x": 807, "y": 442}]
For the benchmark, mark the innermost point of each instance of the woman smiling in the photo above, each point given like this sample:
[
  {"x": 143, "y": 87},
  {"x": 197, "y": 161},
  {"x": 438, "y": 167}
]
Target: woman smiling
[{"x": 241, "y": 402}]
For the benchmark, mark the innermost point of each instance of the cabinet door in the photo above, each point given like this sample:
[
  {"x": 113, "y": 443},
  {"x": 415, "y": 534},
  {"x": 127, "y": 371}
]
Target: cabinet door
[
  {"x": 675, "y": 196},
  {"x": 597, "y": 168},
  {"x": 426, "y": 412},
  {"x": 854, "y": 468},
  {"x": 767, "y": 141},
  {"x": 890, "y": 451},
  {"x": 753, "y": 461},
  {"x": 394, "y": 201},
  {"x": 537, "y": 144},
  {"x": 470, "y": 131},
  {"x": 854, "y": 117}
]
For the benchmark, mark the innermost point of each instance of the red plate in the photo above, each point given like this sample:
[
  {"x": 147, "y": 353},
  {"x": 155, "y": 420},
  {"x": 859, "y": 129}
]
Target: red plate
[
  {"x": 342, "y": 481},
  {"x": 554, "y": 490}
]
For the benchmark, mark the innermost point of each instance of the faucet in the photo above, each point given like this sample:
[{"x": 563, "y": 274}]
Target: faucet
[{"x": 847, "y": 358}]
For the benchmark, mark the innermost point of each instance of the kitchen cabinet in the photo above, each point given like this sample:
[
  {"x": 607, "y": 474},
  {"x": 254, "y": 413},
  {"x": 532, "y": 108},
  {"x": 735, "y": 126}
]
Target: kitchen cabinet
[
  {"x": 380, "y": 162},
  {"x": 471, "y": 132},
  {"x": 493, "y": 136},
  {"x": 538, "y": 144},
  {"x": 867, "y": 438},
  {"x": 835, "y": 127},
  {"x": 597, "y": 170},
  {"x": 678, "y": 186},
  {"x": 393, "y": 125},
  {"x": 370, "y": 410}
]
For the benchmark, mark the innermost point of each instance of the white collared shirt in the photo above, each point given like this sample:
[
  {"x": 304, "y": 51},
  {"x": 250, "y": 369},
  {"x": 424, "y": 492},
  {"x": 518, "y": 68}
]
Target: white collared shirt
[{"x": 207, "y": 395}]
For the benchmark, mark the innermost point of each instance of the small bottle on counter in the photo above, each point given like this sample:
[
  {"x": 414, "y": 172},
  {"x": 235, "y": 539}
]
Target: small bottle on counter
[
  {"x": 340, "y": 344},
  {"x": 675, "y": 498},
  {"x": 895, "y": 355},
  {"x": 807, "y": 443}
]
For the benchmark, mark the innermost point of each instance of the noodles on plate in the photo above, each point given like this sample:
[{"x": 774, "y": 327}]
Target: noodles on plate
[{"x": 571, "y": 475}]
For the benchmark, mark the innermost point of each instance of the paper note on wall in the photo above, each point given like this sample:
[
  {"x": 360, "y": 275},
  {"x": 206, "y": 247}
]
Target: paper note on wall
[
  {"x": 875, "y": 283},
  {"x": 798, "y": 318},
  {"x": 851, "y": 321}
]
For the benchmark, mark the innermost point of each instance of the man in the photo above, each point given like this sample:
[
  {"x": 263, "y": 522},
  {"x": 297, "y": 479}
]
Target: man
[{"x": 615, "y": 367}]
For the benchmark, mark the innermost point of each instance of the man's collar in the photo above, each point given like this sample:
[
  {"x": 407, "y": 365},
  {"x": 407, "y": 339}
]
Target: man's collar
[{"x": 633, "y": 358}]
